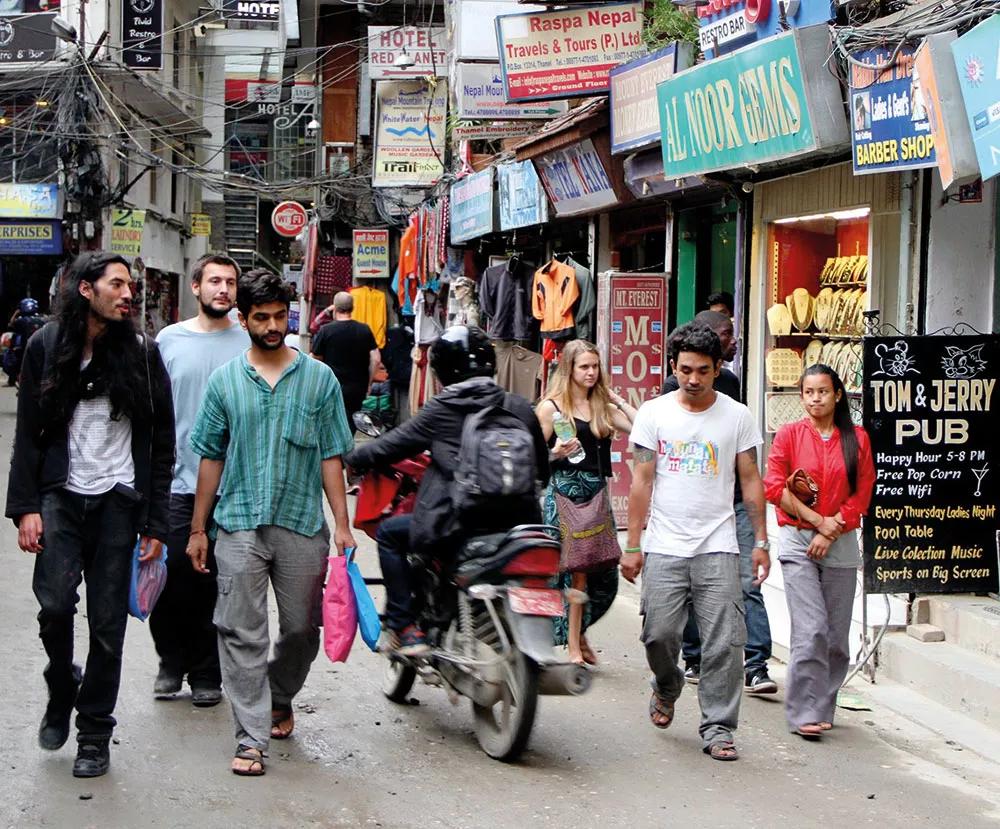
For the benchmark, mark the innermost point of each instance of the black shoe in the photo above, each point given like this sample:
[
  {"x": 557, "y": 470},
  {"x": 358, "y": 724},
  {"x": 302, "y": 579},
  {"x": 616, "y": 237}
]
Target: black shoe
[
  {"x": 759, "y": 682},
  {"x": 92, "y": 759},
  {"x": 168, "y": 684},
  {"x": 693, "y": 674},
  {"x": 54, "y": 730},
  {"x": 206, "y": 697}
]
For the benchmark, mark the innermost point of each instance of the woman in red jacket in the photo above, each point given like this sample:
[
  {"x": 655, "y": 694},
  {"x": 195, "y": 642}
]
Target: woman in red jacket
[{"x": 819, "y": 544}]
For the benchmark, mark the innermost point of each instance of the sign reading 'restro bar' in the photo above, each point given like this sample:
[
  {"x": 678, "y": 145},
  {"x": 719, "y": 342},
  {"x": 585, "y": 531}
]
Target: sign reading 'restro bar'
[{"x": 932, "y": 410}]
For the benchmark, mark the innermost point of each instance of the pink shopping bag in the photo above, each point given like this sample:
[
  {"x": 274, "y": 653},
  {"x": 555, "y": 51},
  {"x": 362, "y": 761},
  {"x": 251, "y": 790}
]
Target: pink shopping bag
[{"x": 340, "y": 614}]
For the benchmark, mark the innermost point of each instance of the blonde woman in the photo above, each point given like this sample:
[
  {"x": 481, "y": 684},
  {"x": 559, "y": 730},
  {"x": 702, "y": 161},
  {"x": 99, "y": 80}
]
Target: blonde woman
[{"x": 579, "y": 390}]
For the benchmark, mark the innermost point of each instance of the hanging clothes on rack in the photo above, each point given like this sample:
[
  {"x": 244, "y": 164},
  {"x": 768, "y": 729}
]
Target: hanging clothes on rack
[
  {"x": 505, "y": 300},
  {"x": 587, "y": 302},
  {"x": 370, "y": 307},
  {"x": 518, "y": 369},
  {"x": 333, "y": 273},
  {"x": 406, "y": 283},
  {"x": 553, "y": 294}
]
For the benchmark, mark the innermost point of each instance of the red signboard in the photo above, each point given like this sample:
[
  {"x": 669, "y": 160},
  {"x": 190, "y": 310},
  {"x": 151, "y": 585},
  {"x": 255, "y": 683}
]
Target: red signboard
[
  {"x": 288, "y": 218},
  {"x": 632, "y": 338}
]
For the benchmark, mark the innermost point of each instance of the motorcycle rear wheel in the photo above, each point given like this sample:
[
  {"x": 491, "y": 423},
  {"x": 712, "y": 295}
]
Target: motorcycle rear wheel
[
  {"x": 503, "y": 729},
  {"x": 397, "y": 679}
]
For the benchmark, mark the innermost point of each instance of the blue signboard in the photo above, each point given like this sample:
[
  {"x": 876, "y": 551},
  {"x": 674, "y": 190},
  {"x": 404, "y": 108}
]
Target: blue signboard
[
  {"x": 890, "y": 128},
  {"x": 727, "y": 25},
  {"x": 978, "y": 63},
  {"x": 31, "y": 238},
  {"x": 522, "y": 198},
  {"x": 472, "y": 213}
]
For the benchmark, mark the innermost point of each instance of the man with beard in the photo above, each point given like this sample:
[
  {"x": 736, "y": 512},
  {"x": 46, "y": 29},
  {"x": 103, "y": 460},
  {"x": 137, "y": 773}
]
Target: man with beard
[
  {"x": 181, "y": 622},
  {"x": 274, "y": 420},
  {"x": 93, "y": 453}
]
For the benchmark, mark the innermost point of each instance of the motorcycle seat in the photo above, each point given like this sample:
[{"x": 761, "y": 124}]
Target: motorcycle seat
[{"x": 485, "y": 554}]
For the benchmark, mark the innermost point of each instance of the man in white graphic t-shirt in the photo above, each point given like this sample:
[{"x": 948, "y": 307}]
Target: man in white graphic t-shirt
[{"x": 689, "y": 446}]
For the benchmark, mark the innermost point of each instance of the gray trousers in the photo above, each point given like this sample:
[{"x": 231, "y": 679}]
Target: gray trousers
[
  {"x": 296, "y": 566},
  {"x": 819, "y": 600},
  {"x": 712, "y": 581}
]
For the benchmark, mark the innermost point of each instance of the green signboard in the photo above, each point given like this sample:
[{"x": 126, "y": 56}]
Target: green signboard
[{"x": 744, "y": 108}]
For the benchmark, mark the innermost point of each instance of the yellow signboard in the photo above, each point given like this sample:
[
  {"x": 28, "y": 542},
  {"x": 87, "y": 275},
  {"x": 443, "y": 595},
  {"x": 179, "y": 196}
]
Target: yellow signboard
[
  {"x": 126, "y": 231},
  {"x": 201, "y": 224}
]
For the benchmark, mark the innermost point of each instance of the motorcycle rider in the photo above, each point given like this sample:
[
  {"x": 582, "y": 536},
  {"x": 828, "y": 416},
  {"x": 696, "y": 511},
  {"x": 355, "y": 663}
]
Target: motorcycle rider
[
  {"x": 464, "y": 361},
  {"x": 25, "y": 322}
]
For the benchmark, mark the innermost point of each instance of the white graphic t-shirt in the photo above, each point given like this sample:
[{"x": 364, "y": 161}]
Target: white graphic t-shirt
[{"x": 692, "y": 510}]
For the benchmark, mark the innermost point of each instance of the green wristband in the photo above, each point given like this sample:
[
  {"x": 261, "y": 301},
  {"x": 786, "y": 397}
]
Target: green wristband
[{"x": 633, "y": 549}]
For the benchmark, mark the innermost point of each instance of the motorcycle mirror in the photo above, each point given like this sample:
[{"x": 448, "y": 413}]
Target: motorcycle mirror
[{"x": 364, "y": 424}]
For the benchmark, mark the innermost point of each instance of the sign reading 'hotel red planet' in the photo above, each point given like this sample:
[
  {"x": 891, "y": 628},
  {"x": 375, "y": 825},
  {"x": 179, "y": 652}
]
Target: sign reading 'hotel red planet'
[
  {"x": 561, "y": 54},
  {"x": 289, "y": 218}
]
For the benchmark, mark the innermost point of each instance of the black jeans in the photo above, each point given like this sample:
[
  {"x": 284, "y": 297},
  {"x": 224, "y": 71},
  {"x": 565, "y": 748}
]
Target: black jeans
[
  {"x": 181, "y": 623},
  {"x": 85, "y": 537},
  {"x": 393, "y": 538}
]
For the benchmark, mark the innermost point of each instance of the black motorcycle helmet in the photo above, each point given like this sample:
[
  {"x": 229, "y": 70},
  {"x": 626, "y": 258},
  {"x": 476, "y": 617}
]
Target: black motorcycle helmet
[
  {"x": 28, "y": 306},
  {"x": 461, "y": 352}
]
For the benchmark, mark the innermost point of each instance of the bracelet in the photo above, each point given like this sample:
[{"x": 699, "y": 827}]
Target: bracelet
[
  {"x": 197, "y": 532},
  {"x": 633, "y": 549}
]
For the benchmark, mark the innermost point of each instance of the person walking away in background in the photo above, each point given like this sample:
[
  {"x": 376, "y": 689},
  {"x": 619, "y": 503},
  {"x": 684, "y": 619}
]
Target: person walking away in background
[
  {"x": 181, "y": 622},
  {"x": 579, "y": 390},
  {"x": 273, "y": 421},
  {"x": 91, "y": 469},
  {"x": 758, "y": 648},
  {"x": 826, "y": 455},
  {"x": 689, "y": 447}
]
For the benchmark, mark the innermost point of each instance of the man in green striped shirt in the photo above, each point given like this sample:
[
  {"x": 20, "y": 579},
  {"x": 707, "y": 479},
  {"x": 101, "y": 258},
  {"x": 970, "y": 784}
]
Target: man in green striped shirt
[{"x": 272, "y": 429}]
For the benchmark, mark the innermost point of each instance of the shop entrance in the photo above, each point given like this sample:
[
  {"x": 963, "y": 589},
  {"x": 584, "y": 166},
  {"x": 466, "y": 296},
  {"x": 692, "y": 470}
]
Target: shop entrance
[{"x": 707, "y": 256}]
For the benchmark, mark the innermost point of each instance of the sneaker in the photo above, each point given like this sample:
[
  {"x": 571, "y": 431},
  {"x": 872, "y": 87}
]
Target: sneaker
[
  {"x": 693, "y": 674},
  {"x": 759, "y": 682},
  {"x": 54, "y": 729},
  {"x": 413, "y": 642},
  {"x": 92, "y": 759},
  {"x": 167, "y": 684}
]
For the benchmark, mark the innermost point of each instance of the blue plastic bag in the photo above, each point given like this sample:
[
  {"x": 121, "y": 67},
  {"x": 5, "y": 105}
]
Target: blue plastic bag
[
  {"x": 368, "y": 621},
  {"x": 148, "y": 580}
]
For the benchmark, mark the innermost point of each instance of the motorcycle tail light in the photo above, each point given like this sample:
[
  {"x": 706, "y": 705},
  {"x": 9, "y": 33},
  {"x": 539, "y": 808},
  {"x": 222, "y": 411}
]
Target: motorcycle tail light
[{"x": 538, "y": 561}]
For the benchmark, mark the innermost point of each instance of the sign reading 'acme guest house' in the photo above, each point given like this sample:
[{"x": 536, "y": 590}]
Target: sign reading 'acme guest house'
[{"x": 751, "y": 106}]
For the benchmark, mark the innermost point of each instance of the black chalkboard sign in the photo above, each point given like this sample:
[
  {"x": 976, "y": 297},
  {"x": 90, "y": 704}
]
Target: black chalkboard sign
[{"x": 932, "y": 410}]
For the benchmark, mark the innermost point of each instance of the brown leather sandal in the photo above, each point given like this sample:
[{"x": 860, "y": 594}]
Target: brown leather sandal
[{"x": 659, "y": 707}]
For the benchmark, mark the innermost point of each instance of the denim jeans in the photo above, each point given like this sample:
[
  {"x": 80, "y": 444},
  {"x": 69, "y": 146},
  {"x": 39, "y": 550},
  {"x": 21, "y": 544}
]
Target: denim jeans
[
  {"x": 181, "y": 623},
  {"x": 91, "y": 538},
  {"x": 393, "y": 538},
  {"x": 758, "y": 647}
]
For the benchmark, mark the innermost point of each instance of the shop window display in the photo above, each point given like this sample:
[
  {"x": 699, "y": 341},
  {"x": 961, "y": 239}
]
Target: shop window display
[{"x": 818, "y": 292}]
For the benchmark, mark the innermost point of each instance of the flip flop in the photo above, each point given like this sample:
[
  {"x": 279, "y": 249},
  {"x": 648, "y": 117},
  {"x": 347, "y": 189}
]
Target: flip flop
[
  {"x": 722, "y": 750},
  {"x": 658, "y": 706},
  {"x": 256, "y": 758},
  {"x": 809, "y": 734},
  {"x": 279, "y": 716}
]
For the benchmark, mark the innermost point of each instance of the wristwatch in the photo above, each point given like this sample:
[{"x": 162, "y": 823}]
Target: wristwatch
[{"x": 762, "y": 545}]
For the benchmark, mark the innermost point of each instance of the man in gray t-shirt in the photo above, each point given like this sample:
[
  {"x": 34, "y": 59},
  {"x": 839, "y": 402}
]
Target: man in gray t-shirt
[{"x": 181, "y": 622}]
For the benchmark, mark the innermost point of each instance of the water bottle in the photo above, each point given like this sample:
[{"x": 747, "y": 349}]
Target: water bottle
[{"x": 565, "y": 429}]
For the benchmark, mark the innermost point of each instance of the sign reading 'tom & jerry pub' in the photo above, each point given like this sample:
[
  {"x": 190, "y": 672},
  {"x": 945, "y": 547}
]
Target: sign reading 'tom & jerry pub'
[{"x": 932, "y": 410}]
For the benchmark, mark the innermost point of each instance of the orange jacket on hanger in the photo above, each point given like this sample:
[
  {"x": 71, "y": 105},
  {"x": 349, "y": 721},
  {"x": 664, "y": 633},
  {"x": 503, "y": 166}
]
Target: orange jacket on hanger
[
  {"x": 370, "y": 308},
  {"x": 553, "y": 293},
  {"x": 408, "y": 257}
]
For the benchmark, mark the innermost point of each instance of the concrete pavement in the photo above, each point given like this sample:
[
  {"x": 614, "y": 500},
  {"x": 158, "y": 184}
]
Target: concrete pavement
[{"x": 358, "y": 760}]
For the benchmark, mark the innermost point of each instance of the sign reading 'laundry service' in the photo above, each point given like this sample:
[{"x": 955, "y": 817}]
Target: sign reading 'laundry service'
[
  {"x": 559, "y": 54},
  {"x": 743, "y": 108}
]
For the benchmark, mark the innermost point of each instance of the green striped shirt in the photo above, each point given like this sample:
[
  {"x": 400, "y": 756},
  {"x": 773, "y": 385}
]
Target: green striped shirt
[{"x": 272, "y": 442}]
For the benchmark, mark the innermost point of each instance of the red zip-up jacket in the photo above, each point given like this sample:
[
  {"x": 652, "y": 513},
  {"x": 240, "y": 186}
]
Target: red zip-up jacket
[{"x": 799, "y": 445}]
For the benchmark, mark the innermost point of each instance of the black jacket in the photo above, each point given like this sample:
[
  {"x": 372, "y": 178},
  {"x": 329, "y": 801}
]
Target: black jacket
[
  {"x": 40, "y": 461},
  {"x": 438, "y": 427}
]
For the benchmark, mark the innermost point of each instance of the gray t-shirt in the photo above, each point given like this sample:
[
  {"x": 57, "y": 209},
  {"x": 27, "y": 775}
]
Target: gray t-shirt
[{"x": 190, "y": 357}]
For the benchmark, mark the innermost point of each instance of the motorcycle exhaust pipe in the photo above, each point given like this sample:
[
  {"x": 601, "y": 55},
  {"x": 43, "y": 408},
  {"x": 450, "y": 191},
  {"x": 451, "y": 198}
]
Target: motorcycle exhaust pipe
[{"x": 564, "y": 680}]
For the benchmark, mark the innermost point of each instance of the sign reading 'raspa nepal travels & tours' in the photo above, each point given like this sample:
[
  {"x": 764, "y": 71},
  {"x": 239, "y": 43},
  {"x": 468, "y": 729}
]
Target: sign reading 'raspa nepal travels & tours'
[
  {"x": 635, "y": 120},
  {"x": 560, "y": 54},
  {"x": 978, "y": 61},
  {"x": 752, "y": 106},
  {"x": 426, "y": 46},
  {"x": 727, "y": 25},
  {"x": 472, "y": 207},
  {"x": 371, "y": 254},
  {"x": 890, "y": 129},
  {"x": 932, "y": 411},
  {"x": 631, "y": 333},
  {"x": 142, "y": 34},
  {"x": 409, "y": 133}
]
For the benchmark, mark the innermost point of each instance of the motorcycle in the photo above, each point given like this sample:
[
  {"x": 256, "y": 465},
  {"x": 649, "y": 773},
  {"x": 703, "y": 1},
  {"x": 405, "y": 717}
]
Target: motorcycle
[{"x": 488, "y": 622}]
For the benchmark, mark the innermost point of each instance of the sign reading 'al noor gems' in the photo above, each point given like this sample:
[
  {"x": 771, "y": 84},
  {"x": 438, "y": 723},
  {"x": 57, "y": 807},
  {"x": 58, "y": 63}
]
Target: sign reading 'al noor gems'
[
  {"x": 744, "y": 108},
  {"x": 560, "y": 54},
  {"x": 931, "y": 411}
]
